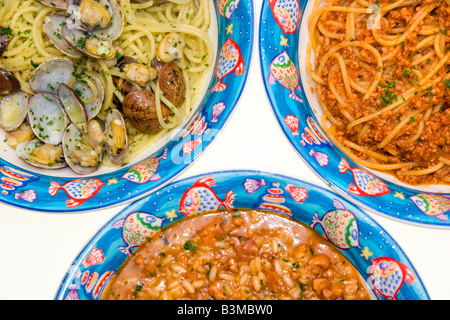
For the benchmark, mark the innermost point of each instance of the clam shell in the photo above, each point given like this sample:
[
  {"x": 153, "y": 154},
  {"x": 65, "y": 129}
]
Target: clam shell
[
  {"x": 24, "y": 149},
  {"x": 73, "y": 106},
  {"x": 47, "y": 118},
  {"x": 50, "y": 74},
  {"x": 115, "y": 29},
  {"x": 73, "y": 9},
  {"x": 72, "y": 136},
  {"x": 13, "y": 110},
  {"x": 52, "y": 27},
  {"x": 114, "y": 115},
  {"x": 85, "y": 93}
]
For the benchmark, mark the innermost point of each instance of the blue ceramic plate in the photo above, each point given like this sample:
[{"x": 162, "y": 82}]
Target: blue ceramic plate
[
  {"x": 282, "y": 48},
  {"x": 374, "y": 253},
  {"x": 25, "y": 187}
]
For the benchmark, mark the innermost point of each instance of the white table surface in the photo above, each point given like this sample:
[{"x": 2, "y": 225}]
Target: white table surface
[{"x": 38, "y": 248}]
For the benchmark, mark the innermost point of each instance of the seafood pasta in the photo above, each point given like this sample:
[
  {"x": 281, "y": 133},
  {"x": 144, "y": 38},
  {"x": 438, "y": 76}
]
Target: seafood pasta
[
  {"x": 382, "y": 77},
  {"x": 236, "y": 255},
  {"x": 91, "y": 82}
]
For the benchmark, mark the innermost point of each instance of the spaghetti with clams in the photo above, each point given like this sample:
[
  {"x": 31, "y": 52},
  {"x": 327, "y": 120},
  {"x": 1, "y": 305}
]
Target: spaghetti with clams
[{"x": 122, "y": 74}]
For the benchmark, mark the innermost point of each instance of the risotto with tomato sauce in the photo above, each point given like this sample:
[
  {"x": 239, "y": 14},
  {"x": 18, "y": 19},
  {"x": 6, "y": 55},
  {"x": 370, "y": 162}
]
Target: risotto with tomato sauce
[{"x": 237, "y": 255}]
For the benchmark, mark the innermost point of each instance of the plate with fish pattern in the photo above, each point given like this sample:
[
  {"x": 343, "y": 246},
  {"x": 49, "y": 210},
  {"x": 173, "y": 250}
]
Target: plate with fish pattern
[
  {"x": 380, "y": 261},
  {"x": 43, "y": 192},
  {"x": 282, "y": 35}
]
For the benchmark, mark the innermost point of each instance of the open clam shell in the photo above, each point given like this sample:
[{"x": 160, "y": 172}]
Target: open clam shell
[
  {"x": 50, "y": 74},
  {"x": 13, "y": 110},
  {"x": 47, "y": 118},
  {"x": 52, "y": 27},
  {"x": 116, "y": 136},
  {"x": 79, "y": 39},
  {"x": 71, "y": 140},
  {"x": 45, "y": 158},
  {"x": 91, "y": 14},
  {"x": 114, "y": 30},
  {"x": 73, "y": 106},
  {"x": 92, "y": 105}
]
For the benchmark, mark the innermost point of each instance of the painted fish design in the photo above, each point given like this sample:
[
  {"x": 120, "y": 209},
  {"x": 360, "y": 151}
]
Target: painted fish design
[
  {"x": 136, "y": 227},
  {"x": 286, "y": 14},
  {"x": 388, "y": 275},
  {"x": 340, "y": 226},
  {"x": 366, "y": 184},
  {"x": 145, "y": 171},
  {"x": 201, "y": 198},
  {"x": 230, "y": 59},
  {"x": 226, "y": 8},
  {"x": 283, "y": 70},
  {"x": 79, "y": 190},
  {"x": 432, "y": 205}
]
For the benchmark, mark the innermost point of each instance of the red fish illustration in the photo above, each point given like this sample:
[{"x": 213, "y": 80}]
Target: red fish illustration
[
  {"x": 230, "y": 59},
  {"x": 286, "y": 13},
  {"x": 200, "y": 198},
  {"x": 79, "y": 190},
  {"x": 388, "y": 275},
  {"x": 366, "y": 184}
]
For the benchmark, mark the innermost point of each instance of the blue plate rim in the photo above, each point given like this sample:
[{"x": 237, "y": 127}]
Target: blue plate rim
[
  {"x": 179, "y": 169},
  {"x": 429, "y": 222},
  {"x": 241, "y": 173}
]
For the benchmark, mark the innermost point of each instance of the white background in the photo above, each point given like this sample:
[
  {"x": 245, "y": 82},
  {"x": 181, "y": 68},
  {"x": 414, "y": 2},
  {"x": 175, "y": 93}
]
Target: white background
[{"x": 36, "y": 249}]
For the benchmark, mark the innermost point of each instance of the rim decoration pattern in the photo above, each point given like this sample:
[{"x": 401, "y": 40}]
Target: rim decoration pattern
[
  {"x": 378, "y": 258},
  {"x": 279, "y": 37},
  {"x": 26, "y": 189}
]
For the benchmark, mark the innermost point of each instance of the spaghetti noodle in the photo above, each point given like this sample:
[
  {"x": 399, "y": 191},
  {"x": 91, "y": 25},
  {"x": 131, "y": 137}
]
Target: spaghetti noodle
[
  {"x": 145, "y": 26},
  {"x": 382, "y": 77}
]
